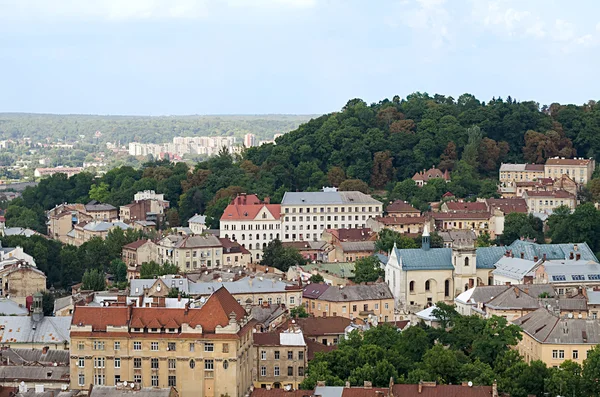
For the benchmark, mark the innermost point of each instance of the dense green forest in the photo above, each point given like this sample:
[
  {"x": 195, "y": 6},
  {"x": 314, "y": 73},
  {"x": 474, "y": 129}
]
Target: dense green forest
[
  {"x": 145, "y": 129},
  {"x": 464, "y": 348}
]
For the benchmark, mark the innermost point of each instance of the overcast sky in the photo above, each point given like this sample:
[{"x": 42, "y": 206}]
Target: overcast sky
[{"x": 158, "y": 57}]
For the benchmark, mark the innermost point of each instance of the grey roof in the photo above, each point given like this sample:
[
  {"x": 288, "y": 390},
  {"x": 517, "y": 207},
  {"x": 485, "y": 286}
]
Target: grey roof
[
  {"x": 19, "y": 231},
  {"x": 314, "y": 291},
  {"x": 512, "y": 167},
  {"x": 266, "y": 314},
  {"x": 513, "y": 299},
  {"x": 452, "y": 235},
  {"x": 9, "y": 307},
  {"x": 329, "y": 391},
  {"x": 545, "y": 327},
  {"x": 358, "y": 246},
  {"x": 324, "y": 198},
  {"x": 382, "y": 258},
  {"x": 485, "y": 293},
  {"x": 515, "y": 268},
  {"x": 197, "y": 219},
  {"x": 195, "y": 241},
  {"x": 420, "y": 259},
  {"x": 360, "y": 292},
  {"x": 102, "y": 226},
  {"x": 112, "y": 391},
  {"x": 145, "y": 223},
  {"x": 593, "y": 296},
  {"x": 95, "y": 206},
  {"x": 572, "y": 271},
  {"x": 32, "y": 373},
  {"x": 30, "y": 356},
  {"x": 61, "y": 303},
  {"x": 564, "y": 304},
  {"x": 48, "y": 393},
  {"x": 552, "y": 251},
  {"x": 25, "y": 330}
]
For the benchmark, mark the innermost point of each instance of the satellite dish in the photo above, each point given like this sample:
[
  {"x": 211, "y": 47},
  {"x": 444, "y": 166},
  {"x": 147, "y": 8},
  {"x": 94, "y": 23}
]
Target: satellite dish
[
  {"x": 125, "y": 383},
  {"x": 470, "y": 384},
  {"x": 288, "y": 387},
  {"x": 132, "y": 385},
  {"x": 158, "y": 287},
  {"x": 202, "y": 300},
  {"x": 192, "y": 305}
]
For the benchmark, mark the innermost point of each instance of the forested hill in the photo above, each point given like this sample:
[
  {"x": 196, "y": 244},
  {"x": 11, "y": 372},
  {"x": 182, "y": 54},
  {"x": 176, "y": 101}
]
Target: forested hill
[
  {"x": 143, "y": 129},
  {"x": 391, "y": 140}
]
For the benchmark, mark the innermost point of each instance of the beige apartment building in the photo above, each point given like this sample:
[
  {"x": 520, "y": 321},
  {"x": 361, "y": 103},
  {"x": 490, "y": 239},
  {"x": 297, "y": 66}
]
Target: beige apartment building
[
  {"x": 203, "y": 350},
  {"x": 352, "y": 301},
  {"x": 543, "y": 201},
  {"x": 281, "y": 359},
  {"x": 191, "y": 252},
  {"x": 86, "y": 231},
  {"x": 521, "y": 172},
  {"x": 63, "y": 217},
  {"x": 553, "y": 339},
  {"x": 20, "y": 280},
  {"x": 578, "y": 169}
]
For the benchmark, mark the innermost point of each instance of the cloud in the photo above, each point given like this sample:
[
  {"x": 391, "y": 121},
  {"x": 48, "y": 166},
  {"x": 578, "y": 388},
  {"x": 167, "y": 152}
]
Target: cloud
[
  {"x": 563, "y": 30},
  {"x": 132, "y": 9},
  {"x": 428, "y": 16}
]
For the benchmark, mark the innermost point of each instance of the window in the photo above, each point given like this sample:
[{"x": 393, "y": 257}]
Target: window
[
  {"x": 263, "y": 355},
  {"x": 117, "y": 379},
  {"x": 99, "y": 362},
  {"x": 137, "y": 362},
  {"x": 427, "y": 285},
  {"x": 387, "y": 305},
  {"x": 117, "y": 362},
  {"x": 561, "y": 354},
  {"x": 263, "y": 371},
  {"x": 554, "y": 354},
  {"x": 98, "y": 345},
  {"x": 466, "y": 261},
  {"x": 154, "y": 363},
  {"x": 290, "y": 371},
  {"x": 276, "y": 354},
  {"x": 192, "y": 346},
  {"x": 117, "y": 345},
  {"x": 137, "y": 378},
  {"x": 80, "y": 345},
  {"x": 172, "y": 380},
  {"x": 192, "y": 364},
  {"x": 290, "y": 355},
  {"x": 172, "y": 363},
  {"x": 377, "y": 306},
  {"x": 99, "y": 379},
  {"x": 225, "y": 364},
  {"x": 575, "y": 354},
  {"x": 292, "y": 300},
  {"x": 154, "y": 380},
  {"x": 276, "y": 371},
  {"x": 209, "y": 347},
  {"x": 225, "y": 347},
  {"x": 171, "y": 346},
  {"x": 411, "y": 286},
  {"x": 300, "y": 371},
  {"x": 154, "y": 346},
  {"x": 301, "y": 355},
  {"x": 81, "y": 379},
  {"x": 137, "y": 345}
]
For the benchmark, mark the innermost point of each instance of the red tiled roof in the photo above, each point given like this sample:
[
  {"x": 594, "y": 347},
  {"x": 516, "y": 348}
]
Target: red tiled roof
[
  {"x": 554, "y": 194},
  {"x": 314, "y": 326},
  {"x": 136, "y": 244},
  {"x": 266, "y": 339},
  {"x": 313, "y": 347},
  {"x": 534, "y": 167},
  {"x": 247, "y": 207},
  {"x": 362, "y": 234},
  {"x": 466, "y": 206},
  {"x": 558, "y": 161},
  {"x": 214, "y": 312},
  {"x": 401, "y": 220},
  {"x": 509, "y": 205},
  {"x": 400, "y": 324},
  {"x": 365, "y": 392},
  {"x": 431, "y": 173},
  {"x": 441, "y": 391},
  {"x": 260, "y": 392},
  {"x": 460, "y": 215},
  {"x": 401, "y": 206}
]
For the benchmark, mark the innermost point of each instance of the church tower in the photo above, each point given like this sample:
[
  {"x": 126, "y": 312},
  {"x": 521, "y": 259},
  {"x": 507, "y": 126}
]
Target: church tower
[
  {"x": 464, "y": 260},
  {"x": 425, "y": 238}
]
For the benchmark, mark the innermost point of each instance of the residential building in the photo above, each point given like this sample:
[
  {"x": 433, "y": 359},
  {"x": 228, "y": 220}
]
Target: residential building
[
  {"x": 317, "y": 251},
  {"x": 352, "y": 301},
  {"x": 234, "y": 254},
  {"x": 521, "y": 172},
  {"x": 307, "y": 214},
  {"x": 204, "y": 350},
  {"x": 543, "y": 201},
  {"x": 473, "y": 301},
  {"x": 85, "y": 231},
  {"x": 100, "y": 211},
  {"x": 197, "y": 224},
  {"x": 568, "y": 276},
  {"x": 578, "y": 169},
  {"x": 146, "y": 206},
  {"x": 21, "y": 280},
  {"x": 335, "y": 273},
  {"x": 328, "y": 331},
  {"x": 451, "y": 237},
  {"x": 250, "y": 140},
  {"x": 281, "y": 359},
  {"x": 247, "y": 291},
  {"x": 409, "y": 225},
  {"x": 251, "y": 222},
  {"x": 422, "y": 177},
  {"x": 491, "y": 222},
  {"x": 62, "y": 219},
  {"x": 553, "y": 339},
  {"x": 268, "y": 316},
  {"x": 191, "y": 252},
  {"x": 136, "y": 253},
  {"x": 14, "y": 255},
  {"x": 132, "y": 389},
  {"x": 69, "y": 171},
  {"x": 351, "y": 251},
  {"x": 401, "y": 208}
]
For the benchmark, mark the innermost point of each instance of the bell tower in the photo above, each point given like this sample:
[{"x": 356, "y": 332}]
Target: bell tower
[{"x": 464, "y": 260}]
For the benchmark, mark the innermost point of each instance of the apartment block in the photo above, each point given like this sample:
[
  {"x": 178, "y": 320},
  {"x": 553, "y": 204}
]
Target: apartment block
[{"x": 281, "y": 359}]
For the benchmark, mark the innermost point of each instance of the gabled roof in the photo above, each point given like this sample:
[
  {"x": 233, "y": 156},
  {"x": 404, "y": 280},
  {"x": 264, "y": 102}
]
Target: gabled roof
[
  {"x": 463, "y": 206},
  {"x": 316, "y": 326},
  {"x": 555, "y": 194},
  {"x": 545, "y": 327},
  {"x": 136, "y": 244},
  {"x": 22, "y": 329},
  {"x": 508, "y": 205},
  {"x": 401, "y": 220},
  {"x": 513, "y": 299},
  {"x": 314, "y": 291},
  {"x": 360, "y": 234},
  {"x": 563, "y": 161},
  {"x": 352, "y": 293},
  {"x": 247, "y": 207},
  {"x": 400, "y": 206},
  {"x": 197, "y": 219},
  {"x": 428, "y": 390},
  {"x": 358, "y": 246}
]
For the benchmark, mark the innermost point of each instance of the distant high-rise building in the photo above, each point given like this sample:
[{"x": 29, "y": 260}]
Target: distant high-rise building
[{"x": 250, "y": 140}]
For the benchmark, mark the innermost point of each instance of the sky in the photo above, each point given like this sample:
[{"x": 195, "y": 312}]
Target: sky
[{"x": 175, "y": 57}]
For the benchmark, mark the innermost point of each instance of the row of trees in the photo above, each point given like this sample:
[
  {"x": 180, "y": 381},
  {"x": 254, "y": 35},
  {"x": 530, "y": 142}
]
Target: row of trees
[{"x": 465, "y": 348}]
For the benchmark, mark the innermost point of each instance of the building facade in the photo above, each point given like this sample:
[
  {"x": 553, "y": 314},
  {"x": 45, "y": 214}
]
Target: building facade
[
  {"x": 543, "y": 201},
  {"x": 578, "y": 169},
  {"x": 281, "y": 359},
  {"x": 191, "y": 252}
]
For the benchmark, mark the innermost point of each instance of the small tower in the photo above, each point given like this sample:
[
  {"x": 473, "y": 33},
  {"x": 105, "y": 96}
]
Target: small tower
[
  {"x": 37, "y": 308},
  {"x": 426, "y": 239}
]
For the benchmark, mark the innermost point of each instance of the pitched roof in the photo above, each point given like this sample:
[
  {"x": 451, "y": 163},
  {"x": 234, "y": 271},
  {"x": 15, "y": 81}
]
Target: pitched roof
[
  {"x": 113, "y": 391},
  {"x": 197, "y": 219},
  {"x": 31, "y": 356},
  {"x": 556, "y": 194},
  {"x": 513, "y": 299},
  {"x": 352, "y": 293},
  {"x": 97, "y": 206},
  {"x": 462, "y": 206},
  {"x": 400, "y": 206},
  {"x": 364, "y": 392},
  {"x": 515, "y": 268},
  {"x": 314, "y": 291},
  {"x": 136, "y": 244},
  {"x": 431, "y": 173},
  {"x": 260, "y": 392},
  {"x": 506, "y": 167},
  {"x": 429, "y": 390},
  {"x": 358, "y": 246},
  {"x": 195, "y": 241},
  {"x": 22, "y": 329},
  {"x": 361, "y": 234},
  {"x": 316, "y": 326},
  {"x": 460, "y": 215},
  {"x": 314, "y": 347},
  {"x": 545, "y": 327},
  {"x": 534, "y": 167},
  {"x": 563, "y": 161},
  {"x": 324, "y": 198},
  {"x": 401, "y": 220},
  {"x": 249, "y": 211},
  {"x": 508, "y": 205}
]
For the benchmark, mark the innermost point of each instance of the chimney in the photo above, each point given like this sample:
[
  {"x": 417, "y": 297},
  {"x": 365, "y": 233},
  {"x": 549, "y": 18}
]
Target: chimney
[
  {"x": 577, "y": 256},
  {"x": 570, "y": 255},
  {"x": 544, "y": 257},
  {"x": 267, "y": 200},
  {"x": 522, "y": 255},
  {"x": 45, "y": 350},
  {"x": 535, "y": 258},
  {"x": 179, "y": 297},
  {"x": 347, "y": 384},
  {"x": 368, "y": 384},
  {"x": 494, "y": 389},
  {"x": 420, "y": 387}
]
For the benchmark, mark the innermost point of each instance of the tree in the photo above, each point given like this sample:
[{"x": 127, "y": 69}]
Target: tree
[
  {"x": 484, "y": 240},
  {"x": 383, "y": 170},
  {"x": 176, "y": 293},
  {"x": 152, "y": 269},
  {"x": 449, "y": 157},
  {"x": 591, "y": 372},
  {"x": 173, "y": 218},
  {"x": 118, "y": 268},
  {"x": 316, "y": 278},
  {"x": 566, "y": 380},
  {"x": 517, "y": 225},
  {"x": 442, "y": 365},
  {"x": 298, "y": 312},
  {"x": 582, "y": 225},
  {"x": 386, "y": 239},
  {"x": 354, "y": 185},
  {"x": 280, "y": 257},
  {"x": 100, "y": 192},
  {"x": 48, "y": 303},
  {"x": 335, "y": 176},
  {"x": 93, "y": 280},
  {"x": 445, "y": 313},
  {"x": 470, "y": 153},
  {"x": 367, "y": 269}
]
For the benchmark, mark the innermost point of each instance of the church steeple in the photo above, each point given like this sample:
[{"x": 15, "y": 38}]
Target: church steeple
[{"x": 426, "y": 238}]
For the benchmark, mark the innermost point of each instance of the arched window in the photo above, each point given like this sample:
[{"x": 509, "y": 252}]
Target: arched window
[
  {"x": 427, "y": 285},
  {"x": 192, "y": 364},
  {"x": 270, "y": 236},
  {"x": 257, "y": 236},
  {"x": 467, "y": 261},
  {"x": 226, "y": 236},
  {"x": 264, "y": 245},
  {"x": 250, "y": 246},
  {"x": 264, "y": 236},
  {"x": 411, "y": 286},
  {"x": 243, "y": 237},
  {"x": 447, "y": 288}
]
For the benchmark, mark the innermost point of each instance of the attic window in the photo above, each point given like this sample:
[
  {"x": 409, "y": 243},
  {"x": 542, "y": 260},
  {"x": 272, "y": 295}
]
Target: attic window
[{"x": 49, "y": 374}]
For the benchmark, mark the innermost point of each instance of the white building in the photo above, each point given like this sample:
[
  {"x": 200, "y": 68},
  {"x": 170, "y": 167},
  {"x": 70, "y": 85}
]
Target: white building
[
  {"x": 197, "y": 224},
  {"x": 307, "y": 214},
  {"x": 250, "y": 140},
  {"x": 252, "y": 223},
  {"x": 148, "y": 195}
]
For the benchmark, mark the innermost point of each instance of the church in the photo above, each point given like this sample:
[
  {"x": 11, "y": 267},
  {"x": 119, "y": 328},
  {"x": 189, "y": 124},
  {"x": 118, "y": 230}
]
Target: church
[{"x": 420, "y": 277}]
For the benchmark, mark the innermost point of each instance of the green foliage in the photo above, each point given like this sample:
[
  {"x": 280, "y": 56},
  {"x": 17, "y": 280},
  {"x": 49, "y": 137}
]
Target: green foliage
[
  {"x": 367, "y": 270},
  {"x": 118, "y": 269},
  {"x": 386, "y": 239},
  {"x": 316, "y": 278},
  {"x": 153, "y": 269},
  {"x": 298, "y": 312},
  {"x": 280, "y": 257},
  {"x": 484, "y": 240},
  {"x": 175, "y": 293},
  {"x": 100, "y": 192},
  {"x": 93, "y": 280},
  {"x": 517, "y": 225},
  {"x": 583, "y": 225},
  {"x": 48, "y": 303}
]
